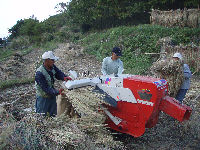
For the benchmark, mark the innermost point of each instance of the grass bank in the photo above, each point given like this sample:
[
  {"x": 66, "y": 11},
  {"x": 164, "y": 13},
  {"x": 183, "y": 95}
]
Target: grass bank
[{"x": 135, "y": 41}]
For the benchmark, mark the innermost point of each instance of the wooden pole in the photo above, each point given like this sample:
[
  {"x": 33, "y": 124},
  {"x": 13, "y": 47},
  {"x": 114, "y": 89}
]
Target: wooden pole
[{"x": 155, "y": 53}]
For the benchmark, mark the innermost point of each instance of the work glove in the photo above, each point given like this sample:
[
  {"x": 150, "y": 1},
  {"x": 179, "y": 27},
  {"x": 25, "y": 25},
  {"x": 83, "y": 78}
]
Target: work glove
[
  {"x": 67, "y": 78},
  {"x": 61, "y": 92}
]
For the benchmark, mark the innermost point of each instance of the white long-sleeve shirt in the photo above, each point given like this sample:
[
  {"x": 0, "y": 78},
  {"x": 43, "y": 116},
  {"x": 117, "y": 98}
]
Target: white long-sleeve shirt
[{"x": 110, "y": 66}]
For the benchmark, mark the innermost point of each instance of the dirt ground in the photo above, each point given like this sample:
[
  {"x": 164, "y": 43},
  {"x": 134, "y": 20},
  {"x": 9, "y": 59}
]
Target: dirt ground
[{"x": 167, "y": 134}]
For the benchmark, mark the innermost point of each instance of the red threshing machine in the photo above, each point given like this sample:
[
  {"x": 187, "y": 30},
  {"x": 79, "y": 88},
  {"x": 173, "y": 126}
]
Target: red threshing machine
[{"x": 134, "y": 101}]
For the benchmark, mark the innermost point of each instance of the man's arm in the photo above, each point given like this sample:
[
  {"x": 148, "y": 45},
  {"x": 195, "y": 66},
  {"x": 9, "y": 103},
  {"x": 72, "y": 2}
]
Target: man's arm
[
  {"x": 59, "y": 74},
  {"x": 121, "y": 67},
  {"x": 187, "y": 72},
  {"x": 103, "y": 69},
  {"x": 41, "y": 81}
]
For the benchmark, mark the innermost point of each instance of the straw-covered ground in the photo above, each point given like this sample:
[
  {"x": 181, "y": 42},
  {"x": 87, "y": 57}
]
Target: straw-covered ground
[{"x": 21, "y": 128}]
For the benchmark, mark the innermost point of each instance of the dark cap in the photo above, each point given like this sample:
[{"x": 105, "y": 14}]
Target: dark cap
[{"x": 117, "y": 51}]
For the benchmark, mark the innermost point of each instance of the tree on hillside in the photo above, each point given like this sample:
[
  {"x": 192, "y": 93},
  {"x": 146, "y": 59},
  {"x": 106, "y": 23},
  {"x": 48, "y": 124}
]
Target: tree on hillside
[
  {"x": 53, "y": 23},
  {"x": 61, "y": 7},
  {"x": 31, "y": 27},
  {"x": 16, "y": 29}
]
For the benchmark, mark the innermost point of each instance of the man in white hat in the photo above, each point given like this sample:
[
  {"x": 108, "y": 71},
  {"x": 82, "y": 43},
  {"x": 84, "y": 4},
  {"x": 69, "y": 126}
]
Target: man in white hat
[
  {"x": 44, "y": 83},
  {"x": 186, "y": 82}
]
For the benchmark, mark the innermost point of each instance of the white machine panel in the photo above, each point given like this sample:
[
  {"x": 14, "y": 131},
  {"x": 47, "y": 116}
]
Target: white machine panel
[
  {"x": 118, "y": 93},
  {"x": 81, "y": 83},
  {"x": 77, "y": 83}
]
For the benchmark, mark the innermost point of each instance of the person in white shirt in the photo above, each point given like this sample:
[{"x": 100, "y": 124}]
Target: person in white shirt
[{"x": 113, "y": 64}]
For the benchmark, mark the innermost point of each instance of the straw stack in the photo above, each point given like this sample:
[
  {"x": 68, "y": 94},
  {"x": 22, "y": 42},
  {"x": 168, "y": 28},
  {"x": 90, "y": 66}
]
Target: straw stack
[
  {"x": 170, "y": 70},
  {"x": 181, "y": 18},
  {"x": 190, "y": 52}
]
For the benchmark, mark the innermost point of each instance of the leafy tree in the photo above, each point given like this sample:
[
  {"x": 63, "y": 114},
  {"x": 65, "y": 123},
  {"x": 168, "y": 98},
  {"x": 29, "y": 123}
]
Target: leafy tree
[
  {"x": 53, "y": 23},
  {"x": 15, "y": 29},
  {"x": 30, "y": 27}
]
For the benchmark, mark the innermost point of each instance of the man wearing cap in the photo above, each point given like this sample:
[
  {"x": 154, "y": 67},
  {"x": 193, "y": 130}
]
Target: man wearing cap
[
  {"x": 186, "y": 82},
  {"x": 113, "y": 64},
  {"x": 44, "y": 83}
]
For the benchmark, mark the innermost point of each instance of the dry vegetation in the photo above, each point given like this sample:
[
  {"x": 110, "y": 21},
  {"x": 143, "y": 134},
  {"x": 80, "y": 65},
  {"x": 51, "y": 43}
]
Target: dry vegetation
[{"x": 182, "y": 18}]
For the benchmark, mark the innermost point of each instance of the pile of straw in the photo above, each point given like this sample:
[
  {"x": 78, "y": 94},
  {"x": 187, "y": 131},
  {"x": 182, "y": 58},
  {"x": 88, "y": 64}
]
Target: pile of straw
[
  {"x": 79, "y": 126},
  {"x": 7, "y": 123},
  {"x": 81, "y": 119},
  {"x": 170, "y": 70},
  {"x": 181, "y": 18},
  {"x": 190, "y": 52}
]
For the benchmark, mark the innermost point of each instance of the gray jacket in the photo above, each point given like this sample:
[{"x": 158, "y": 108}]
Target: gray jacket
[
  {"x": 187, "y": 76},
  {"x": 112, "y": 67}
]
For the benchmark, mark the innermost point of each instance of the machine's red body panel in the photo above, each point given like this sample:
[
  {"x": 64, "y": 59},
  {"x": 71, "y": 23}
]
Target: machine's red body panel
[
  {"x": 151, "y": 96},
  {"x": 172, "y": 107}
]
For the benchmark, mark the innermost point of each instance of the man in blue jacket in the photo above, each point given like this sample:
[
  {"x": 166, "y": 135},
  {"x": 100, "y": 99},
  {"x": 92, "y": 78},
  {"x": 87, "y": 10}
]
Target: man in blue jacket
[
  {"x": 44, "y": 83},
  {"x": 186, "y": 82}
]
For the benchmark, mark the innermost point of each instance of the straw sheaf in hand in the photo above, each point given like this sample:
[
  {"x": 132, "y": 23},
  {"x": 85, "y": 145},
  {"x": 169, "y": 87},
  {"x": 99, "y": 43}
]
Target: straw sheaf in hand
[{"x": 170, "y": 70}]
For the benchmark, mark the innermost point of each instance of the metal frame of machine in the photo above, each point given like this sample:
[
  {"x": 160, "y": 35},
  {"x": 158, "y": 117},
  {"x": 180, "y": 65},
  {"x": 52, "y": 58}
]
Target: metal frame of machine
[{"x": 134, "y": 101}]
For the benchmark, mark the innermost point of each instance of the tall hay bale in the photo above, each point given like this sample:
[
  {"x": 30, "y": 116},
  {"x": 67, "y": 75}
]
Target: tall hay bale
[
  {"x": 185, "y": 17},
  {"x": 181, "y": 18},
  {"x": 192, "y": 18}
]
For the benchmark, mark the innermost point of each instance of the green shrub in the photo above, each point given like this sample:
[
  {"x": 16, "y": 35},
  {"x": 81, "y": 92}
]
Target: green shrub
[
  {"x": 47, "y": 37},
  {"x": 49, "y": 46},
  {"x": 20, "y": 43},
  {"x": 68, "y": 34},
  {"x": 10, "y": 83},
  {"x": 5, "y": 53}
]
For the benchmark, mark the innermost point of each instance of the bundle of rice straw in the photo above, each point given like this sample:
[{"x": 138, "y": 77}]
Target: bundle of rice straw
[
  {"x": 80, "y": 121},
  {"x": 170, "y": 70}
]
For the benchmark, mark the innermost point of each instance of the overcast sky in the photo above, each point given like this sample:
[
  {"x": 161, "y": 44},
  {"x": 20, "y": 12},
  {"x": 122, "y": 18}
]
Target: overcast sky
[{"x": 13, "y": 10}]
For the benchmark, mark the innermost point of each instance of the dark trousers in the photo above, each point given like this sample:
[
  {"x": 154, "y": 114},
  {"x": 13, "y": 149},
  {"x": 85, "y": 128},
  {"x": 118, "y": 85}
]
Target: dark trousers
[
  {"x": 48, "y": 106},
  {"x": 181, "y": 95}
]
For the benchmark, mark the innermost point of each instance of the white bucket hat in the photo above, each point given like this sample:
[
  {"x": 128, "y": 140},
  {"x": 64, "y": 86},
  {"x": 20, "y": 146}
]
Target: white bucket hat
[
  {"x": 49, "y": 55},
  {"x": 178, "y": 55}
]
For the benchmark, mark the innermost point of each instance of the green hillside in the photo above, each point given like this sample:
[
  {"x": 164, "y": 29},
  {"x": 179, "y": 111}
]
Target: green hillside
[{"x": 135, "y": 41}]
